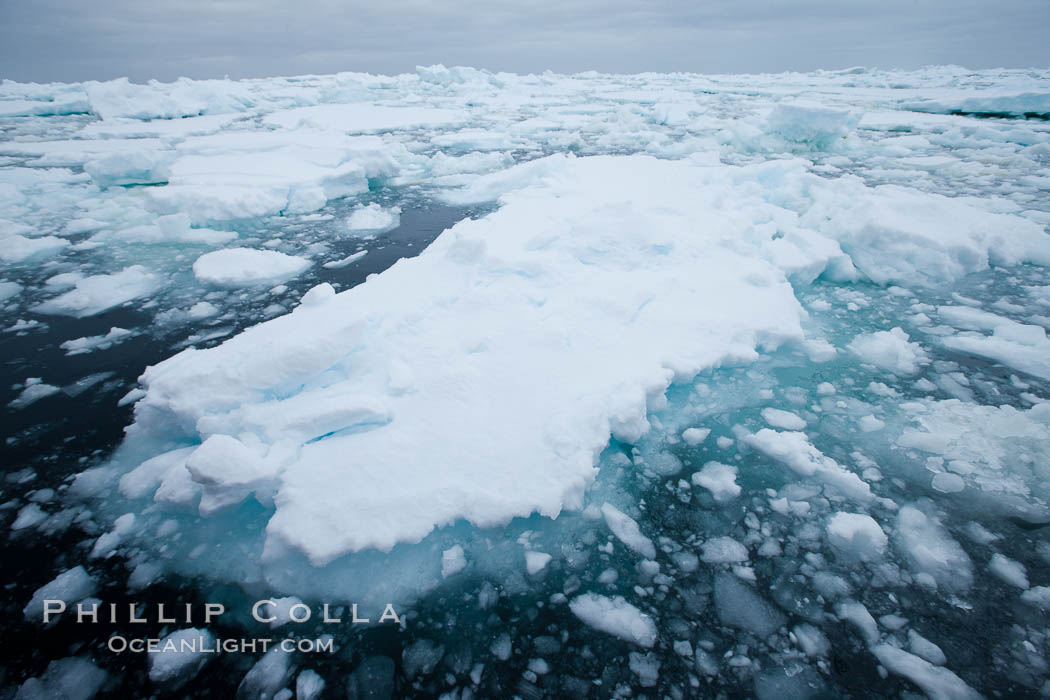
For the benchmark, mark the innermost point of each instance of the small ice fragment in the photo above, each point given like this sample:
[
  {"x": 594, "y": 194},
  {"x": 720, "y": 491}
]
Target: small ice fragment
[
  {"x": 723, "y": 550},
  {"x": 343, "y": 262},
  {"x": 947, "y": 483},
  {"x": 180, "y": 656},
  {"x": 452, "y": 561},
  {"x": 719, "y": 479},
  {"x": 1008, "y": 570},
  {"x": 627, "y": 531},
  {"x": 891, "y": 351},
  {"x": 870, "y": 423},
  {"x": 937, "y": 682},
  {"x": 68, "y": 587},
  {"x": 779, "y": 418},
  {"x": 694, "y": 436},
  {"x": 536, "y": 562},
  {"x": 856, "y": 535},
  {"x": 373, "y": 218},
  {"x": 920, "y": 646},
  {"x": 615, "y": 616}
]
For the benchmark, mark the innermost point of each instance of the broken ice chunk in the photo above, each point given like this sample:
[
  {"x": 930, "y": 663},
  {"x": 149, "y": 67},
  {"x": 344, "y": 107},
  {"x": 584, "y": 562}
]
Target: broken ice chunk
[
  {"x": 615, "y": 616},
  {"x": 627, "y": 531}
]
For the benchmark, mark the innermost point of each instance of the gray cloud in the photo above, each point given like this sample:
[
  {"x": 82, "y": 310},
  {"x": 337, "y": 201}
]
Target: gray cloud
[{"x": 72, "y": 40}]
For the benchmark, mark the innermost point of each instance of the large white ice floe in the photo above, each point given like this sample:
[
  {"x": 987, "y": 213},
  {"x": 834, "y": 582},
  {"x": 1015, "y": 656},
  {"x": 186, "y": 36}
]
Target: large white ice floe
[
  {"x": 480, "y": 380},
  {"x": 247, "y": 174}
]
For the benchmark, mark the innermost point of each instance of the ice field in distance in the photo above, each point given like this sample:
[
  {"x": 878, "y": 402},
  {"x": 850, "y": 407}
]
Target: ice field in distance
[{"x": 747, "y": 374}]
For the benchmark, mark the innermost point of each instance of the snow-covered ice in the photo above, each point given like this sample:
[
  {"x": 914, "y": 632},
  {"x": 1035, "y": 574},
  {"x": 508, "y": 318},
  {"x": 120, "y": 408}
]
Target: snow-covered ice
[
  {"x": 237, "y": 267},
  {"x": 749, "y": 372}
]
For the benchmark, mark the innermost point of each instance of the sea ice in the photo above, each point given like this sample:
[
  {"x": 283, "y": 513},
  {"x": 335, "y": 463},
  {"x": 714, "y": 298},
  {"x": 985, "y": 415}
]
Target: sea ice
[
  {"x": 627, "y": 531},
  {"x": 719, "y": 479},
  {"x": 239, "y": 267},
  {"x": 94, "y": 294},
  {"x": 615, "y": 616},
  {"x": 70, "y": 586},
  {"x": 373, "y": 219},
  {"x": 856, "y": 536},
  {"x": 890, "y": 351},
  {"x": 181, "y": 656}
]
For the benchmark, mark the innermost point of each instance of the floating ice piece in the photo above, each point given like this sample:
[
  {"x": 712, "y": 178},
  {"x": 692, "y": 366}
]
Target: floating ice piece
[
  {"x": 615, "y": 616},
  {"x": 1007, "y": 103},
  {"x": 9, "y": 290},
  {"x": 452, "y": 561},
  {"x": 811, "y": 640},
  {"x": 856, "y": 535},
  {"x": 646, "y": 667},
  {"x": 308, "y": 685},
  {"x": 779, "y": 418},
  {"x": 930, "y": 550},
  {"x": 140, "y": 167},
  {"x": 72, "y": 678},
  {"x": 257, "y": 173},
  {"x": 318, "y": 294},
  {"x": 627, "y": 531},
  {"x": 920, "y": 646},
  {"x": 796, "y": 451},
  {"x": 29, "y": 515},
  {"x": 1008, "y": 570},
  {"x": 791, "y": 681},
  {"x": 343, "y": 262},
  {"x": 474, "y": 336},
  {"x": 438, "y": 74},
  {"x": 719, "y": 479},
  {"x": 981, "y": 445},
  {"x": 155, "y": 100},
  {"x": 738, "y": 605},
  {"x": 1038, "y": 596},
  {"x": 870, "y": 423},
  {"x": 71, "y": 586},
  {"x": 79, "y": 346},
  {"x": 694, "y": 436},
  {"x": 181, "y": 656},
  {"x": 373, "y": 218},
  {"x": 938, "y": 683},
  {"x": 421, "y": 657},
  {"x": 107, "y": 543},
  {"x": 859, "y": 616},
  {"x": 240, "y": 267},
  {"x": 1019, "y": 346},
  {"x": 810, "y": 123},
  {"x": 17, "y": 249},
  {"x": 97, "y": 293},
  {"x": 945, "y": 482},
  {"x": 898, "y": 235},
  {"x": 33, "y": 392},
  {"x": 269, "y": 675},
  {"x": 536, "y": 562},
  {"x": 723, "y": 550},
  {"x": 891, "y": 351},
  {"x": 281, "y": 611},
  {"x": 172, "y": 228}
]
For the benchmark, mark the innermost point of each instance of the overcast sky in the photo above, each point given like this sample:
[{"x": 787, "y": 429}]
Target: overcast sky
[{"x": 74, "y": 40}]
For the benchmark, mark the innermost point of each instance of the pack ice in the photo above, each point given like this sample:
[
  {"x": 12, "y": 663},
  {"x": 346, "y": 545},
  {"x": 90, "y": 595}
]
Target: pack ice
[
  {"x": 481, "y": 380},
  {"x": 732, "y": 371}
]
